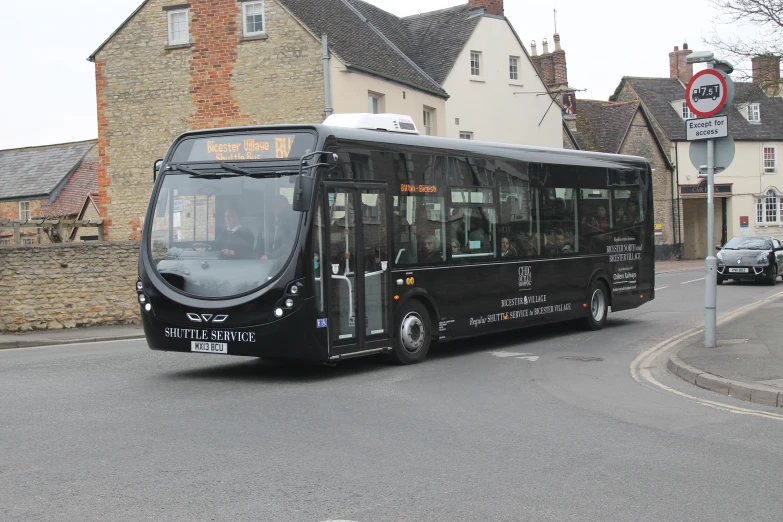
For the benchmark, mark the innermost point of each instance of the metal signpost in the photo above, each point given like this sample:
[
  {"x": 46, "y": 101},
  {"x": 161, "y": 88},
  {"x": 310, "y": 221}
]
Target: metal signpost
[{"x": 706, "y": 94}]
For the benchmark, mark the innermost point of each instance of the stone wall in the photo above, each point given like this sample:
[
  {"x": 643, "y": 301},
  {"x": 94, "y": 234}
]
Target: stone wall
[{"x": 68, "y": 285}]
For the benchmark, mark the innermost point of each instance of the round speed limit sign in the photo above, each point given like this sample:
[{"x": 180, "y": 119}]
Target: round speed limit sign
[{"x": 706, "y": 93}]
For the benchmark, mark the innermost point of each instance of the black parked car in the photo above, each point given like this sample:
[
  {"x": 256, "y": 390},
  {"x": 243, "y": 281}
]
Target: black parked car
[{"x": 758, "y": 258}]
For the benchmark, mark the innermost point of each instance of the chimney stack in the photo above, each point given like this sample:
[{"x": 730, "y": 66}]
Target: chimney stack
[
  {"x": 546, "y": 46},
  {"x": 490, "y": 7},
  {"x": 766, "y": 73},
  {"x": 559, "y": 63},
  {"x": 678, "y": 67},
  {"x": 551, "y": 66},
  {"x": 533, "y": 50}
]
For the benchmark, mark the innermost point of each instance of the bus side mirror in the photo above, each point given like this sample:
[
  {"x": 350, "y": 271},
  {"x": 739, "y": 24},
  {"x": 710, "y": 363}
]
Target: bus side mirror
[
  {"x": 156, "y": 169},
  {"x": 303, "y": 193}
]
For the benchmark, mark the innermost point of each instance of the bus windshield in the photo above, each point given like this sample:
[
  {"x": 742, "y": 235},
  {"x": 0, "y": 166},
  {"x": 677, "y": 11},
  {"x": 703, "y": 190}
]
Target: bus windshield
[{"x": 223, "y": 235}]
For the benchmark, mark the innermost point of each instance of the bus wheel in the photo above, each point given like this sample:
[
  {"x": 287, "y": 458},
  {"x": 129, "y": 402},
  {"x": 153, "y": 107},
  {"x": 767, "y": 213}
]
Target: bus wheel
[
  {"x": 413, "y": 333},
  {"x": 597, "y": 306}
]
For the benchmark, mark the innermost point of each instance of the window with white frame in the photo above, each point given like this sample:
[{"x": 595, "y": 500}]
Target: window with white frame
[
  {"x": 686, "y": 112},
  {"x": 5, "y": 240},
  {"x": 466, "y": 135},
  {"x": 475, "y": 63},
  {"x": 374, "y": 103},
  {"x": 428, "y": 121},
  {"x": 178, "y": 27},
  {"x": 754, "y": 113},
  {"x": 513, "y": 67},
  {"x": 769, "y": 208},
  {"x": 253, "y": 15},
  {"x": 27, "y": 241},
  {"x": 24, "y": 211},
  {"x": 770, "y": 159}
]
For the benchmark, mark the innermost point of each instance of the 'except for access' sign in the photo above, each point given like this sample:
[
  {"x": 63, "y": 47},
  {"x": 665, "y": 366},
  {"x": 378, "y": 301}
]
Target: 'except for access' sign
[
  {"x": 707, "y": 93},
  {"x": 707, "y": 128}
]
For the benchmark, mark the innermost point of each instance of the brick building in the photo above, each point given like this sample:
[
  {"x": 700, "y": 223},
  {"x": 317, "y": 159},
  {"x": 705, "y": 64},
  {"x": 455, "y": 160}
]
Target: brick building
[
  {"x": 53, "y": 181},
  {"x": 750, "y": 191},
  {"x": 174, "y": 66}
]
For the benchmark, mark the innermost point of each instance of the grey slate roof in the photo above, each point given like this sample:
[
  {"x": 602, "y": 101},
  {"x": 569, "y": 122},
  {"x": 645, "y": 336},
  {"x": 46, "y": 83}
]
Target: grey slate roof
[
  {"x": 602, "y": 126},
  {"x": 39, "y": 171},
  {"x": 358, "y": 44},
  {"x": 439, "y": 37},
  {"x": 658, "y": 93}
]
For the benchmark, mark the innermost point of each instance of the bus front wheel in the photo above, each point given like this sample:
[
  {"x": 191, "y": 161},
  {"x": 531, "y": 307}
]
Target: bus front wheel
[
  {"x": 413, "y": 336},
  {"x": 597, "y": 306}
]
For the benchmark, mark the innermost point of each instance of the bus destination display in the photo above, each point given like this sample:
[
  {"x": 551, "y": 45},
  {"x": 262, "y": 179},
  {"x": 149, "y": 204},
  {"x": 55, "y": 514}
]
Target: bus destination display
[{"x": 246, "y": 147}]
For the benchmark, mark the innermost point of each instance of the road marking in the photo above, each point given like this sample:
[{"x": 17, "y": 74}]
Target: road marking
[
  {"x": 661, "y": 287},
  {"x": 693, "y": 281},
  {"x": 640, "y": 367},
  {"x": 507, "y": 354},
  {"x": 531, "y": 358}
]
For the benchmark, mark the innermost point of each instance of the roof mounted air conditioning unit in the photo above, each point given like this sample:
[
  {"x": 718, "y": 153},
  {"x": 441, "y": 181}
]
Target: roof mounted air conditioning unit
[{"x": 382, "y": 122}]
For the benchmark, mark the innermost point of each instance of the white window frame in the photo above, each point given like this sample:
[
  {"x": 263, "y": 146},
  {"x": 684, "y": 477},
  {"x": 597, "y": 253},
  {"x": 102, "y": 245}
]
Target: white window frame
[
  {"x": 170, "y": 15},
  {"x": 475, "y": 63},
  {"x": 466, "y": 135},
  {"x": 5, "y": 240},
  {"x": 24, "y": 211},
  {"x": 28, "y": 241},
  {"x": 245, "y": 31},
  {"x": 372, "y": 100},
  {"x": 770, "y": 165},
  {"x": 513, "y": 67},
  {"x": 754, "y": 113},
  {"x": 428, "y": 117},
  {"x": 686, "y": 111},
  {"x": 769, "y": 208}
]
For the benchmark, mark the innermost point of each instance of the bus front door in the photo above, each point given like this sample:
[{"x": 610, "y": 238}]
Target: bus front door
[{"x": 359, "y": 309}]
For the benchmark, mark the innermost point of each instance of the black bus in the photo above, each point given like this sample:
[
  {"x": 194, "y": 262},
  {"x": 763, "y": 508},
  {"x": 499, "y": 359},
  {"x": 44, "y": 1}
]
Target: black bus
[{"x": 324, "y": 242}]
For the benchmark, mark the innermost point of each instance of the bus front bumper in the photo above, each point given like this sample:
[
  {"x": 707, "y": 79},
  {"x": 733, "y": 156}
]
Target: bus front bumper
[{"x": 291, "y": 337}]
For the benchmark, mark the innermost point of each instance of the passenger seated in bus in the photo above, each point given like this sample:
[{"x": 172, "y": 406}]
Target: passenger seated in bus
[
  {"x": 455, "y": 248},
  {"x": 597, "y": 223},
  {"x": 282, "y": 227},
  {"x": 632, "y": 216},
  {"x": 506, "y": 250},
  {"x": 558, "y": 244},
  {"x": 432, "y": 246},
  {"x": 526, "y": 244},
  {"x": 619, "y": 219},
  {"x": 235, "y": 240}
]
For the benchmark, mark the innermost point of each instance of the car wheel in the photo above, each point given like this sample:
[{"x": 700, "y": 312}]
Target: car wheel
[
  {"x": 597, "y": 307},
  {"x": 413, "y": 336},
  {"x": 774, "y": 276}
]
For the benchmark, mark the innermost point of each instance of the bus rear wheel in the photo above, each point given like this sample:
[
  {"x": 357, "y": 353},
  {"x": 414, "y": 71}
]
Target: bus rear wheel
[
  {"x": 413, "y": 336},
  {"x": 597, "y": 306}
]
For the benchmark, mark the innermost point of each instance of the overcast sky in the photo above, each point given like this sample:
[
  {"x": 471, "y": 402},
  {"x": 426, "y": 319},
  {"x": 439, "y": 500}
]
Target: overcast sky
[{"x": 48, "y": 91}]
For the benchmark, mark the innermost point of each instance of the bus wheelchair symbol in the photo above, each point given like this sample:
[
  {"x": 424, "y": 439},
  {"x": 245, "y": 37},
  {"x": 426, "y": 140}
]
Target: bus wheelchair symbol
[{"x": 706, "y": 91}]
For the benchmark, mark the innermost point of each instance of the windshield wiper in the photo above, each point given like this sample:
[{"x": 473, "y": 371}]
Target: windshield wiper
[
  {"x": 197, "y": 174},
  {"x": 232, "y": 171},
  {"x": 235, "y": 169}
]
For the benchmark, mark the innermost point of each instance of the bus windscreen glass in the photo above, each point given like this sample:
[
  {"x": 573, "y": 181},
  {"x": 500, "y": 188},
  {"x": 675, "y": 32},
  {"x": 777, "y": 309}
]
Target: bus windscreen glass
[
  {"x": 222, "y": 237},
  {"x": 245, "y": 147}
]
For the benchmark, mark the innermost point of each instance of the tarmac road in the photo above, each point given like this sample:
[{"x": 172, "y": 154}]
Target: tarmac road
[{"x": 540, "y": 424}]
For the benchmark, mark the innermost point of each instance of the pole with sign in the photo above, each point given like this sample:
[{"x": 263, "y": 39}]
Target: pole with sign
[{"x": 706, "y": 94}]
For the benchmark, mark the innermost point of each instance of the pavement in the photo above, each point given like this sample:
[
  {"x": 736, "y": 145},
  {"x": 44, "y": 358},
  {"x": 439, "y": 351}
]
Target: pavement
[
  {"x": 746, "y": 364},
  {"x": 70, "y": 336}
]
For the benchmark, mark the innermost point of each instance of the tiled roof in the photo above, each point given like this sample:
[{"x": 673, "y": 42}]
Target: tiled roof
[
  {"x": 38, "y": 171},
  {"x": 439, "y": 37},
  {"x": 601, "y": 126},
  {"x": 360, "y": 43},
  {"x": 658, "y": 93},
  {"x": 71, "y": 198}
]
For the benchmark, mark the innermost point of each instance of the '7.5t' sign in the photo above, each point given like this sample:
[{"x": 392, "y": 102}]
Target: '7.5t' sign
[{"x": 706, "y": 93}]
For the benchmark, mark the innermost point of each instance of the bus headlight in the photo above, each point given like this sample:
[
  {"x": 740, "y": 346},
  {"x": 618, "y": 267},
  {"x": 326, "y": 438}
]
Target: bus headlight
[
  {"x": 289, "y": 303},
  {"x": 142, "y": 298},
  {"x": 293, "y": 289},
  {"x": 278, "y": 312},
  {"x": 139, "y": 286},
  {"x": 148, "y": 307}
]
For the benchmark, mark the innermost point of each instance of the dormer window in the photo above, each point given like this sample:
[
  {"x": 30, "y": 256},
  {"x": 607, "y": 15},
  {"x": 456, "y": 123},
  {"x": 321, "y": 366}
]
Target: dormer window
[
  {"x": 686, "y": 112},
  {"x": 754, "y": 113}
]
